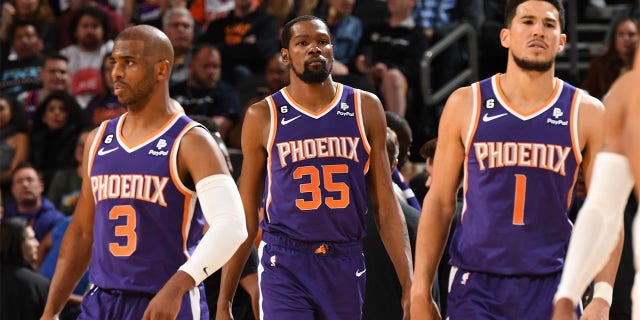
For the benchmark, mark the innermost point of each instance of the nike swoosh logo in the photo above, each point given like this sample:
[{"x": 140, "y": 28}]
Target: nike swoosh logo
[
  {"x": 284, "y": 121},
  {"x": 488, "y": 118},
  {"x": 359, "y": 273},
  {"x": 103, "y": 152},
  {"x": 205, "y": 270}
]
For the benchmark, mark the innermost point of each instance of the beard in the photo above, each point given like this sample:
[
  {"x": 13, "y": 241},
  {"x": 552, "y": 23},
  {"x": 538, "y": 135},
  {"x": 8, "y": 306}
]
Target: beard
[
  {"x": 29, "y": 202},
  {"x": 138, "y": 94},
  {"x": 539, "y": 66},
  {"x": 310, "y": 76}
]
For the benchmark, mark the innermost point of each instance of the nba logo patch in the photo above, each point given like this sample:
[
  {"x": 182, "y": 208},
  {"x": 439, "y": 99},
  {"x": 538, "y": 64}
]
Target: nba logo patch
[
  {"x": 465, "y": 278},
  {"x": 273, "y": 261}
]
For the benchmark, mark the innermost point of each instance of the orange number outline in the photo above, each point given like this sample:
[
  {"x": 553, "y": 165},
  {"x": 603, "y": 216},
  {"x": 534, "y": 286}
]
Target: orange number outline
[{"x": 127, "y": 230}]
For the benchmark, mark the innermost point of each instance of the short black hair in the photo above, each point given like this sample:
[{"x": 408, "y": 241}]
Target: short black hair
[
  {"x": 55, "y": 56},
  {"x": 20, "y": 24},
  {"x": 512, "y": 5},
  {"x": 26, "y": 165},
  {"x": 201, "y": 46},
  {"x": 286, "y": 30}
]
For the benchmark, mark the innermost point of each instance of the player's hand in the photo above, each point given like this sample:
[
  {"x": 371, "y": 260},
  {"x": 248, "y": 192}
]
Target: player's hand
[
  {"x": 49, "y": 317},
  {"x": 425, "y": 311},
  {"x": 223, "y": 312},
  {"x": 166, "y": 304},
  {"x": 406, "y": 305},
  {"x": 597, "y": 309},
  {"x": 564, "y": 310}
]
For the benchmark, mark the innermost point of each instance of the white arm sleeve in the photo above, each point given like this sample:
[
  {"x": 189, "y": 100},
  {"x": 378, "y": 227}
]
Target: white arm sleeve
[
  {"x": 598, "y": 225},
  {"x": 222, "y": 208}
]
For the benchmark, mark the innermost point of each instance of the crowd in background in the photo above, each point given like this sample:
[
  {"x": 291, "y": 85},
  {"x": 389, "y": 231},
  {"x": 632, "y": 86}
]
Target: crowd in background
[{"x": 56, "y": 85}]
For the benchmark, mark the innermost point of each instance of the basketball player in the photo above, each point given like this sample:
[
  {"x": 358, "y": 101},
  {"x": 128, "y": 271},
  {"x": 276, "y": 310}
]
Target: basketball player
[
  {"x": 613, "y": 175},
  {"x": 517, "y": 140},
  {"x": 145, "y": 198},
  {"x": 310, "y": 149}
]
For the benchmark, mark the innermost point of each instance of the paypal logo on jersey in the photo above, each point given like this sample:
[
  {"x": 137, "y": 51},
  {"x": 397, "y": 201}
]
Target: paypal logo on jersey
[
  {"x": 162, "y": 143},
  {"x": 557, "y": 113},
  {"x": 343, "y": 110}
]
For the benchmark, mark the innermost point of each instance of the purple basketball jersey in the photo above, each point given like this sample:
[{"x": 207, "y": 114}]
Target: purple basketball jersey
[
  {"x": 147, "y": 222},
  {"x": 519, "y": 175},
  {"x": 315, "y": 188}
]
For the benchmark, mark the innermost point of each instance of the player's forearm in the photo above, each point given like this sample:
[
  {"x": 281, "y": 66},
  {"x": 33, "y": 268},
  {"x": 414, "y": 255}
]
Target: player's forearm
[
  {"x": 75, "y": 255},
  {"x": 231, "y": 272},
  {"x": 609, "y": 271},
  {"x": 433, "y": 230},
  {"x": 395, "y": 237}
]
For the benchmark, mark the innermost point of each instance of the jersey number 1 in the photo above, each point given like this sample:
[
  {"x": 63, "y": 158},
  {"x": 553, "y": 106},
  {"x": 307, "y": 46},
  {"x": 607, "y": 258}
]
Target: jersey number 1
[
  {"x": 518, "y": 199},
  {"x": 313, "y": 187}
]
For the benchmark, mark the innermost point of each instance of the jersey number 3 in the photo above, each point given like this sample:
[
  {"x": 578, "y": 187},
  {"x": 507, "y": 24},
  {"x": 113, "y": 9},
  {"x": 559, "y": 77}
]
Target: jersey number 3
[
  {"x": 127, "y": 230},
  {"x": 313, "y": 187}
]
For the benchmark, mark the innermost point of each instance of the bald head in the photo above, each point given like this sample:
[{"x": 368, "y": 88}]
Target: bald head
[{"x": 157, "y": 45}]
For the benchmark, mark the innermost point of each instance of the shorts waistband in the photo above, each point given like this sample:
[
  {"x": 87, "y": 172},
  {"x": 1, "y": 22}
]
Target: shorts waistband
[
  {"x": 118, "y": 292},
  {"x": 321, "y": 247}
]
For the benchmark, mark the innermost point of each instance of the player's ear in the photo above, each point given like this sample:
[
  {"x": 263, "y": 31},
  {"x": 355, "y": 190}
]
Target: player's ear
[
  {"x": 563, "y": 41},
  {"x": 285, "y": 56},
  {"x": 163, "y": 69},
  {"x": 505, "y": 37}
]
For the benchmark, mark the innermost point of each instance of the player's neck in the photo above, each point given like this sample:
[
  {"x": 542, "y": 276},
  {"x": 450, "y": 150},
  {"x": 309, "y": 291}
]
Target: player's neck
[
  {"x": 142, "y": 122},
  {"x": 527, "y": 90},
  {"x": 312, "y": 96}
]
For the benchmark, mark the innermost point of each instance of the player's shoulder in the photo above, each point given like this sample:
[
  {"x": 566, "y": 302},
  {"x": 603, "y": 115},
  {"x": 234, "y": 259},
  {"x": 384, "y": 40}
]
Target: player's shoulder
[
  {"x": 590, "y": 104},
  {"x": 460, "y": 101},
  {"x": 626, "y": 82},
  {"x": 369, "y": 99},
  {"x": 259, "y": 109}
]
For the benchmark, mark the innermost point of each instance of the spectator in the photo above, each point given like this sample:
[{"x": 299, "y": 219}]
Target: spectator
[
  {"x": 117, "y": 22},
  {"x": 65, "y": 185},
  {"x": 88, "y": 29},
  {"x": 247, "y": 38},
  {"x": 21, "y": 73},
  {"x": 105, "y": 105},
  {"x": 245, "y": 301},
  {"x": 276, "y": 77},
  {"x": 286, "y": 10},
  {"x": 27, "y": 187},
  {"x": 56, "y": 127},
  {"x": 37, "y": 12},
  {"x": 433, "y": 15},
  {"x": 54, "y": 75},
  {"x": 54, "y": 239},
  {"x": 616, "y": 60},
  {"x": 346, "y": 31},
  {"x": 371, "y": 12},
  {"x": 402, "y": 131},
  {"x": 492, "y": 54},
  {"x": 178, "y": 25},
  {"x": 389, "y": 55},
  {"x": 144, "y": 12},
  {"x": 23, "y": 292},
  {"x": 204, "y": 93},
  {"x": 14, "y": 143},
  {"x": 205, "y": 11},
  {"x": 383, "y": 290}
]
